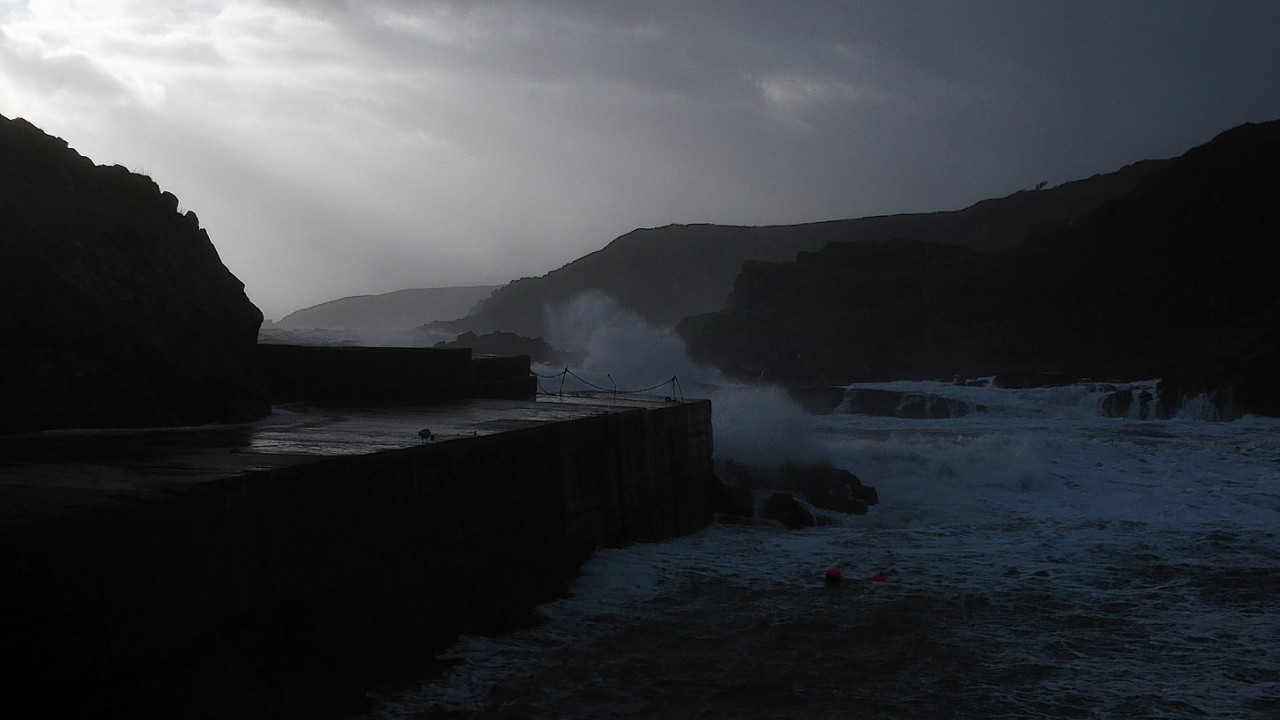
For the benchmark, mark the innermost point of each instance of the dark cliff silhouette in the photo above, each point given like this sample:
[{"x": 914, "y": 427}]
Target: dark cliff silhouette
[
  {"x": 389, "y": 311},
  {"x": 117, "y": 311},
  {"x": 1175, "y": 278},
  {"x": 666, "y": 274}
]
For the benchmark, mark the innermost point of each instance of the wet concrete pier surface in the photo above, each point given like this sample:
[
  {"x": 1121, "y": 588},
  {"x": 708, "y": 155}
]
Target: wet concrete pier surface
[
  {"x": 56, "y": 473},
  {"x": 277, "y": 569}
]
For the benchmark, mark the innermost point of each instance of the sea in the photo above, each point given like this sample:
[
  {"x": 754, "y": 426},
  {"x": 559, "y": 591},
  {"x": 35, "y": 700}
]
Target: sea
[{"x": 1034, "y": 558}]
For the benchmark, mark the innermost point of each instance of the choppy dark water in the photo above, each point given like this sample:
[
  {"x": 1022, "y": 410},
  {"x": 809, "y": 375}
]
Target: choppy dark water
[{"x": 1042, "y": 562}]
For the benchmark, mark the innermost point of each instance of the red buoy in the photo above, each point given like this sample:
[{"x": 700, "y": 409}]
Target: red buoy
[
  {"x": 880, "y": 576},
  {"x": 833, "y": 574}
]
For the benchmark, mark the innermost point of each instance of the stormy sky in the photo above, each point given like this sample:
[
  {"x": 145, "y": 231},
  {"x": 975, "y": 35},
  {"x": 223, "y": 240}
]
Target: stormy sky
[{"x": 342, "y": 148}]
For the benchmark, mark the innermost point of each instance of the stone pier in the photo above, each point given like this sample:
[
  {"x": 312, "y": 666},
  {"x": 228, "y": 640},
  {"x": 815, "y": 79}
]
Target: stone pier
[{"x": 279, "y": 569}]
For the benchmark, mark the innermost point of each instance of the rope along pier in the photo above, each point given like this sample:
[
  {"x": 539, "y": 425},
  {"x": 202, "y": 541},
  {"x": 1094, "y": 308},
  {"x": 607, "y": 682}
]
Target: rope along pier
[{"x": 677, "y": 393}]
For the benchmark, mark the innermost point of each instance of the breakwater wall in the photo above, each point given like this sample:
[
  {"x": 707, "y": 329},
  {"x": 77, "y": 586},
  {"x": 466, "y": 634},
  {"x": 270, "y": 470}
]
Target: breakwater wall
[
  {"x": 287, "y": 592},
  {"x": 342, "y": 374}
]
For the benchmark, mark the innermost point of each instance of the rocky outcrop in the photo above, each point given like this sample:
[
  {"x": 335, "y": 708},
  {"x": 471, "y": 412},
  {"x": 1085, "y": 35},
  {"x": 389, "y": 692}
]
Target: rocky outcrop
[
  {"x": 118, "y": 311},
  {"x": 1176, "y": 277},
  {"x": 821, "y": 485},
  {"x": 783, "y": 507},
  {"x": 734, "y": 502},
  {"x": 1124, "y": 402},
  {"x": 829, "y": 488},
  {"x": 1237, "y": 375}
]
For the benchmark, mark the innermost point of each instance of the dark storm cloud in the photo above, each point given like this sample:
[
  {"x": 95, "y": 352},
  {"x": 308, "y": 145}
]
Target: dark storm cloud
[{"x": 344, "y": 147}]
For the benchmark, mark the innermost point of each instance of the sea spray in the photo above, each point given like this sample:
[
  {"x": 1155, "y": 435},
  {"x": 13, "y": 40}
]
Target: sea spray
[
  {"x": 756, "y": 425},
  {"x": 571, "y": 325},
  {"x": 762, "y": 426}
]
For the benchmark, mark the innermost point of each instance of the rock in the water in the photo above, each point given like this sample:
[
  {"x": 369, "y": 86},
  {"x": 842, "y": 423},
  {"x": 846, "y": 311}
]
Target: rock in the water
[
  {"x": 733, "y": 500},
  {"x": 823, "y": 486},
  {"x": 829, "y": 488},
  {"x": 118, "y": 311},
  {"x": 784, "y": 508},
  {"x": 1241, "y": 376},
  {"x": 1117, "y": 403},
  {"x": 1120, "y": 403}
]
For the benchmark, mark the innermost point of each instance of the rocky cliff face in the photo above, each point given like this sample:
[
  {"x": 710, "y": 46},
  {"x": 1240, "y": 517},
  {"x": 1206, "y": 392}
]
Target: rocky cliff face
[
  {"x": 118, "y": 311},
  {"x": 1175, "y": 276}
]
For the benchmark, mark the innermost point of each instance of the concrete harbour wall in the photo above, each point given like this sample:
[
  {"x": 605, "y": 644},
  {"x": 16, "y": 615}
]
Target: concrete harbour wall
[
  {"x": 342, "y": 374},
  {"x": 285, "y": 592}
]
